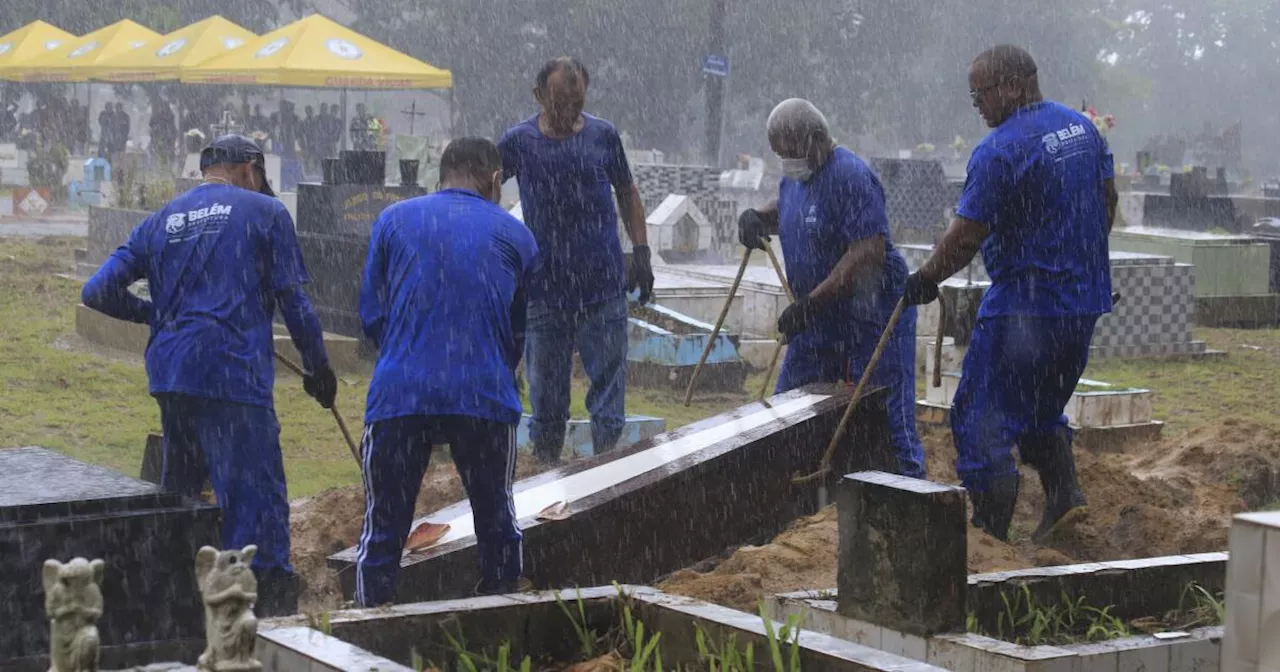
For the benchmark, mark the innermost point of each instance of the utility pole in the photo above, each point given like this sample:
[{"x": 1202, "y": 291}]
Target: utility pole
[{"x": 715, "y": 83}]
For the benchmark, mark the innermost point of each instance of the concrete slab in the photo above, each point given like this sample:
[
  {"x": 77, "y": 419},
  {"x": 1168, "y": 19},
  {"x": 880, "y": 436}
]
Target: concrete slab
[
  {"x": 99, "y": 329},
  {"x": 52, "y": 506},
  {"x": 663, "y": 504}
]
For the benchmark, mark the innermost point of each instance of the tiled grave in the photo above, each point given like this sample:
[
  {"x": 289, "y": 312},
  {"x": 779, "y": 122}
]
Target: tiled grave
[
  {"x": 577, "y": 438},
  {"x": 665, "y": 346},
  {"x": 684, "y": 496},
  {"x": 52, "y": 506},
  {"x": 1225, "y": 265},
  {"x": 535, "y": 625},
  {"x": 1152, "y": 319},
  {"x": 880, "y": 613},
  {"x": 763, "y": 299},
  {"x": 1252, "y": 640},
  {"x": 917, "y": 197},
  {"x": 701, "y": 183}
]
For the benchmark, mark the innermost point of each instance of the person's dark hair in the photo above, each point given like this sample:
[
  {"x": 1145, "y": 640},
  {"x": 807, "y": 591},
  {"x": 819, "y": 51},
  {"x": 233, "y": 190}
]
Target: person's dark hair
[
  {"x": 567, "y": 64},
  {"x": 1007, "y": 61},
  {"x": 472, "y": 157}
]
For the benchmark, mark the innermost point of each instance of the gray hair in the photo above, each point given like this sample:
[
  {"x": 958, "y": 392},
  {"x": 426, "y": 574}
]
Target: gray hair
[{"x": 797, "y": 117}]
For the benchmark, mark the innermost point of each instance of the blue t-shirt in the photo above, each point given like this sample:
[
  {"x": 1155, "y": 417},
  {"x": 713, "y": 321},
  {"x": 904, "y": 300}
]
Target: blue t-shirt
[
  {"x": 1037, "y": 182},
  {"x": 566, "y": 201},
  {"x": 442, "y": 299},
  {"x": 214, "y": 259},
  {"x": 817, "y": 221}
]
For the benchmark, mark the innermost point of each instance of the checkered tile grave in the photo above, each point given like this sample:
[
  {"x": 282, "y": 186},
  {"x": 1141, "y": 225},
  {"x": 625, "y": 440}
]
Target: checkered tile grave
[
  {"x": 916, "y": 195},
  {"x": 1153, "y": 317}
]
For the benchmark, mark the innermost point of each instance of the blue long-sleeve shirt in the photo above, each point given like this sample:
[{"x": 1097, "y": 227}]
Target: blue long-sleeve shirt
[
  {"x": 443, "y": 298},
  {"x": 217, "y": 259}
]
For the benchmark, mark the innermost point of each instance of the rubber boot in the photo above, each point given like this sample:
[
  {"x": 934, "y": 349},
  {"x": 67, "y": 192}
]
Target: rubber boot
[
  {"x": 520, "y": 585},
  {"x": 277, "y": 594},
  {"x": 993, "y": 509},
  {"x": 547, "y": 454},
  {"x": 1064, "y": 502}
]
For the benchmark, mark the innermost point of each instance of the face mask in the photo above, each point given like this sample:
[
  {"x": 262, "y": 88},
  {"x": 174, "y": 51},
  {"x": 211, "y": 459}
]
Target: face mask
[{"x": 797, "y": 169}]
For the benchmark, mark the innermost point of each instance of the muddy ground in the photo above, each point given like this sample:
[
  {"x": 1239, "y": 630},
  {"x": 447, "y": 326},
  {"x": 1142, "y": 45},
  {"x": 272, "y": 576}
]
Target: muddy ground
[{"x": 1172, "y": 496}]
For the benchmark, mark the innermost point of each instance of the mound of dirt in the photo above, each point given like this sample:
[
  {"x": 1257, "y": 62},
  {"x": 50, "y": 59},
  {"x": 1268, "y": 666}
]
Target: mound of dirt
[
  {"x": 803, "y": 557},
  {"x": 1166, "y": 498},
  {"x": 330, "y": 521}
]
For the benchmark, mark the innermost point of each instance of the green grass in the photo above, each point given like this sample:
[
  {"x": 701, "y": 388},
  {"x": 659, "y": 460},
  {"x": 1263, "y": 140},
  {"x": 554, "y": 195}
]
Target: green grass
[
  {"x": 97, "y": 409},
  {"x": 1196, "y": 392}
]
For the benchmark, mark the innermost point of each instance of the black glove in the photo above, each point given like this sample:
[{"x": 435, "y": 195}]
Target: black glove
[
  {"x": 919, "y": 291},
  {"x": 322, "y": 386},
  {"x": 797, "y": 317},
  {"x": 753, "y": 232},
  {"x": 640, "y": 275}
]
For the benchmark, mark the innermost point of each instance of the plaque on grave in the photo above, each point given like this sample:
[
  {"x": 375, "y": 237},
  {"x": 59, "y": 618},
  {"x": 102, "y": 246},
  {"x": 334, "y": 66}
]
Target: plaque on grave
[
  {"x": 54, "y": 507},
  {"x": 334, "y": 223}
]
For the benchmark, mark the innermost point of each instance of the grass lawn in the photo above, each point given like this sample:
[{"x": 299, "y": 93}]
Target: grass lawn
[{"x": 97, "y": 409}]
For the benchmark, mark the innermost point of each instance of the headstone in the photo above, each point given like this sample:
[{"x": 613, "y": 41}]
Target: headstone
[
  {"x": 334, "y": 224},
  {"x": 902, "y": 560},
  {"x": 52, "y": 506}
]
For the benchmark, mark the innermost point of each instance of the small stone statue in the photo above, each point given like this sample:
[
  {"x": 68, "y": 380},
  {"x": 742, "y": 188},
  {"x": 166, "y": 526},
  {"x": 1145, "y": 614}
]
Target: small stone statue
[
  {"x": 230, "y": 590},
  {"x": 73, "y": 602}
]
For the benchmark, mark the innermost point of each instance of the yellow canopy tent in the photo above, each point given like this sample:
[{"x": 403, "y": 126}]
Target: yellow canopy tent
[
  {"x": 30, "y": 41},
  {"x": 318, "y": 52},
  {"x": 163, "y": 58},
  {"x": 74, "y": 61}
]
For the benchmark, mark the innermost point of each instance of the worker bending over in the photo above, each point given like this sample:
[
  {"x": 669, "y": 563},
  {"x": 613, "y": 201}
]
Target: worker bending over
[
  {"x": 443, "y": 298},
  {"x": 843, "y": 268},
  {"x": 217, "y": 260},
  {"x": 1039, "y": 201}
]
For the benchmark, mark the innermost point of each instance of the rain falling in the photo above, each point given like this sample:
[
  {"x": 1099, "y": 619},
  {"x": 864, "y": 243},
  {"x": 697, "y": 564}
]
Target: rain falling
[{"x": 686, "y": 334}]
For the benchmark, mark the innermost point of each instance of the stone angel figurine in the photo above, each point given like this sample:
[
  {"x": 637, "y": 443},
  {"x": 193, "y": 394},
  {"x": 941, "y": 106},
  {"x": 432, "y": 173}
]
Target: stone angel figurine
[
  {"x": 229, "y": 590},
  {"x": 73, "y": 603}
]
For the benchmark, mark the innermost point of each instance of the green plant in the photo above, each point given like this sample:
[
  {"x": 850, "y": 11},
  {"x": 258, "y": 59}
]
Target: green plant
[
  {"x": 586, "y": 637},
  {"x": 320, "y": 622}
]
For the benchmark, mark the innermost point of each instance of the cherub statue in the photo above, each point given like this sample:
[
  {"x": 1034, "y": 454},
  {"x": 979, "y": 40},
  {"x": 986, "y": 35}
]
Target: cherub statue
[
  {"x": 229, "y": 590},
  {"x": 73, "y": 602}
]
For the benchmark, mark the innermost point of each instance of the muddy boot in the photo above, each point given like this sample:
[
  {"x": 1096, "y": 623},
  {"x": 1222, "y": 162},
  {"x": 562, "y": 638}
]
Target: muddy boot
[
  {"x": 993, "y": 509},
  {"x": 277, "y": 594},
  {"x": 548, "y": 454},
  {"x": 520, "y": 585},
  {"x": 1064, "y": 502}
]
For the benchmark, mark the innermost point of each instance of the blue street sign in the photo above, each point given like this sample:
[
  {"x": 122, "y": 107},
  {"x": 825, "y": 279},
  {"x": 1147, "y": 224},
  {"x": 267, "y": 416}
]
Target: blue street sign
[{"x": 715, "y": 65}]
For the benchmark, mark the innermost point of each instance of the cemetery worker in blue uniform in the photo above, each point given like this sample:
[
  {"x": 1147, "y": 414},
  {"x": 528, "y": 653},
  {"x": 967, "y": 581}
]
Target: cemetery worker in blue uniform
[
  {"x": 843, "y": 268},
  {"x": 443, "y": 297},
  {"x": 566, "y": 162},
  {"x": 1039, "y": 202},
  {"x": 218, "y": 260}
]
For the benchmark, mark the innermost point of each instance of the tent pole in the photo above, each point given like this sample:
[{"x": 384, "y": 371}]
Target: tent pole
[
  {"x": 344, "y": 119},
  {"x": 453, "y": 119}
]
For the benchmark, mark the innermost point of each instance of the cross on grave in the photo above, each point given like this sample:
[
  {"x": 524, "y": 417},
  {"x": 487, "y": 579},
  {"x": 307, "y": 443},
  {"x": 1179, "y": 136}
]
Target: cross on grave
[
  {"x": 413, "y": 115},
  {"x": 225, "y": 125}
]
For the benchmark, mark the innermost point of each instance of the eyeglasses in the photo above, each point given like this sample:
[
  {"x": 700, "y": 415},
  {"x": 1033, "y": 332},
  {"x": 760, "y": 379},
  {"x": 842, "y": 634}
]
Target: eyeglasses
[{"x": 975, "y": 94}]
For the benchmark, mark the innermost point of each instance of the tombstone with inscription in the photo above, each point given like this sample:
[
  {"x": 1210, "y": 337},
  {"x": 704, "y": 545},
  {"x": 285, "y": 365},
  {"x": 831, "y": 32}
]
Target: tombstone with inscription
[
  {"x": 54, "y": 507},
  {"x": 335, "y": 219}
]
